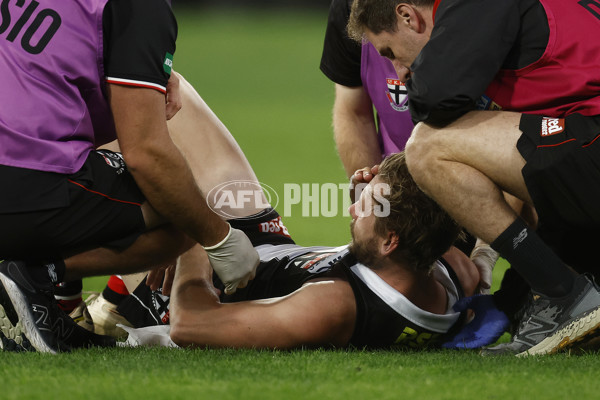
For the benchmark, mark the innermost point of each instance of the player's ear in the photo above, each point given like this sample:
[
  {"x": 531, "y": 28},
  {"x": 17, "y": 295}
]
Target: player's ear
[
  {"x": 409, "y": 17},
  {"x": 389, "y": 244}
]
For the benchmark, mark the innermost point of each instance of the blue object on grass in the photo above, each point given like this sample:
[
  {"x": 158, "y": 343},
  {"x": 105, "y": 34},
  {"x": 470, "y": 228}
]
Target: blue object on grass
[{"x": 486, "y": 327}]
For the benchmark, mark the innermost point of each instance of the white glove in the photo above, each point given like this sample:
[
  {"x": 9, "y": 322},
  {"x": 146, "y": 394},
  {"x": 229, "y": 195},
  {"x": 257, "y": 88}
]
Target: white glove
[
  {"x": 147, "y": 336},
  {"x": 484, "y": 258},
  {"x": 234, "y": 259}
]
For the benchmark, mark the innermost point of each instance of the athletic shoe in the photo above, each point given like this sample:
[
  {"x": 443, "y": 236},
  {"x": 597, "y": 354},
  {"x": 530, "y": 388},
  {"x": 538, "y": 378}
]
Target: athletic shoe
[
  {"x": 82, "y": 317},
  {"x": 517, "y": 316},
  {"x": 46, "y": 326},
  {"x": 29, "y": 308},
  {"x": 76, "y": 336},
  {"x": 105, "y": 317},
  {"x": 550, "y": 324},
  {"x": 77, "y": 329}
]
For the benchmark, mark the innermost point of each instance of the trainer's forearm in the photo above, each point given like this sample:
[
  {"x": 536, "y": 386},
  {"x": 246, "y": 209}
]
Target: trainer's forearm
[
  {"x": 357, "y": 148},
  {"x": 354, "y": 129},
  {"x": 154, "y": 248},
  {"x": 158, "y": 166}
]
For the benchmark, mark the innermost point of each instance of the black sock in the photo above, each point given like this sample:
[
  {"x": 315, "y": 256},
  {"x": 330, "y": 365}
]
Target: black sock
[
  {"x": 112, "y": 296},
  {"x": 512, "y": 294},
  {"x": 534, "y": 260},
  {"x": 47, "y": 272},
  {"x": 115, "y": 291},
  {"x": 68, "y": 295},
  {"x": 69, "y": 289}
]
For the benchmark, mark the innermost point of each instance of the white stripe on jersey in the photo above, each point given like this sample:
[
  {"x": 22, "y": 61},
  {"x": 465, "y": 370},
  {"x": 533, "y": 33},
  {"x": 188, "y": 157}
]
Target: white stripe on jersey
[
  {"x": 268, "y": 252},
  {"x": 131, "y": 82},
  {"x": 400, "y": 304}
]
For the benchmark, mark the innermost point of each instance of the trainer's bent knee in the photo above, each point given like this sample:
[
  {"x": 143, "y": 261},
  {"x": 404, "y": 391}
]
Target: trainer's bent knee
[{"x": 419, "y": 149}]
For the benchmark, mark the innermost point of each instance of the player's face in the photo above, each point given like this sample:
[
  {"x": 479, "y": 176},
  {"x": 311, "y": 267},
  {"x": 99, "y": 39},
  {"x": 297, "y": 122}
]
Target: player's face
[
  {"x": 364, "y": 239},
  {"x": 402, "y": 47}
]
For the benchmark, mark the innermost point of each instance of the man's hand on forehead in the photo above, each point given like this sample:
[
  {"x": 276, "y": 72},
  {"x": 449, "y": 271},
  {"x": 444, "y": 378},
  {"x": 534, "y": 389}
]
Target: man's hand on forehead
[{"x": 360, "y": 179}]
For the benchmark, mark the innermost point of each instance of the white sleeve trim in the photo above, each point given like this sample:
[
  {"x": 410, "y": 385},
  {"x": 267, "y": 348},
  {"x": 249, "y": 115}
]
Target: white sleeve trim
[
  {"x": 269, "y": 252},
  {"x": 131, "y": 82}
]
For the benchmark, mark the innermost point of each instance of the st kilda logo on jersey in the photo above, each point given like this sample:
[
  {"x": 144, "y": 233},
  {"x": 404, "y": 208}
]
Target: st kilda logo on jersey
[{"x": 397, "y": 94}]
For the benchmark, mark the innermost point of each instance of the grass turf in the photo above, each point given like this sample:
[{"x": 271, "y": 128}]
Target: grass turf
[
  {"x": 259, "y": 73},
  {"x": 315, "y": 374}
]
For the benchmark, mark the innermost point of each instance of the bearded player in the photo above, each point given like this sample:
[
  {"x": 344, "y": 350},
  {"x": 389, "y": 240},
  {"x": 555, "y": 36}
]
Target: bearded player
[{"x": 394, "y": 285}]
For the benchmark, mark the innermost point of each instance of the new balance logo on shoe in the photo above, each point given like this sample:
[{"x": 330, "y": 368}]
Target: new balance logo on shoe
[
  {"x": 58, "y": 326},
  {"x": 536, "y": 326},
  {"x": 42, "y": 317}
]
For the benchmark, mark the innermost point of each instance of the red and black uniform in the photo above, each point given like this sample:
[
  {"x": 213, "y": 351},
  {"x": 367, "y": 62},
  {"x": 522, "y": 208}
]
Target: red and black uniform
[
  {"x": 471, "y": 41},
  {"x": 540, "y": 58}
]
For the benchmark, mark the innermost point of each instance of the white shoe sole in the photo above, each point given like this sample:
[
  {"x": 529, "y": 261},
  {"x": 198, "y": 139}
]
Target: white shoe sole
[
  {"x": 26, "y": 319},
  {"x": 569, "y": 336},
  {"x": 7, "y": 328}
]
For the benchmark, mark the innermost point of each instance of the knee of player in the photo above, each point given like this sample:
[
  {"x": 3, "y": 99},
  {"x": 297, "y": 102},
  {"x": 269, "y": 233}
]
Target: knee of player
[{"x": 420, "y": 150}]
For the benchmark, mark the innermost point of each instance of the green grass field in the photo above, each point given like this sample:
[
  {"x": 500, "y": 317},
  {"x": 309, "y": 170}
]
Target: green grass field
[{"x": 259, "y": 73}]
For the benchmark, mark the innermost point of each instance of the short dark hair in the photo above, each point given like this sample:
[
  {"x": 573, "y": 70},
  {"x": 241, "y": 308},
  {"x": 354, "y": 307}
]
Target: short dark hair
[
  {"x": 377, "y": 16},
  {"x": 425, "y": 231}
]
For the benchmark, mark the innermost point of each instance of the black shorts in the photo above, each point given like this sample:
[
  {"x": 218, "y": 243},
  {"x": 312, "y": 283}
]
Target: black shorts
[
  {"x": 562, "y": 171},
  {"x": 102, "y": 209},
  {"x": 265, "y": 227},
  {"x": 562, "y": 175}
]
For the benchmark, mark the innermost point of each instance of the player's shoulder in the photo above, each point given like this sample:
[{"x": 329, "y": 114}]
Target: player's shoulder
[
  {"x": 335, "y": 296},
  {"x": 335, "y": 281},
  {"x": 464, "y": 268}
]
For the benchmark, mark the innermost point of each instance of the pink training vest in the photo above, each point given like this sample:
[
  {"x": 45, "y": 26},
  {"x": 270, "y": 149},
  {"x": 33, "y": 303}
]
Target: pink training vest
[{"x": 52, "y": 108}]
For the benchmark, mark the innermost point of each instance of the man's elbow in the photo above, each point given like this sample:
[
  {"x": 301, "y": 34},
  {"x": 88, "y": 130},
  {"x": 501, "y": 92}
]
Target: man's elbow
[{"x": 181, "y": 334}]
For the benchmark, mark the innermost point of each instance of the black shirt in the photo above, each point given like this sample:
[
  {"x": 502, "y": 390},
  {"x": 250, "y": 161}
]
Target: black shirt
[
  {"x": 340, "y": 60},
  {"x": 136, "y": 34}
]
